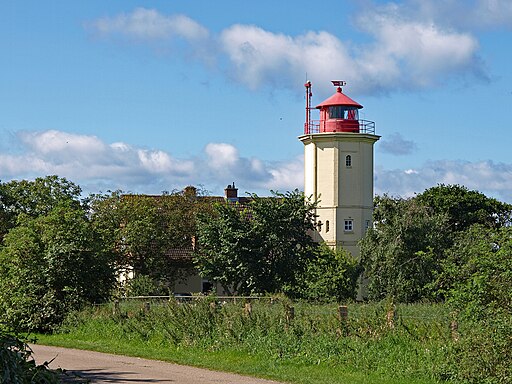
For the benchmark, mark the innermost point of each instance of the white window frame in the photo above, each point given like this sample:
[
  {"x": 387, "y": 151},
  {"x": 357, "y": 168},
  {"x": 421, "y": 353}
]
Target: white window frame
[{"x": 348, "y": 225}]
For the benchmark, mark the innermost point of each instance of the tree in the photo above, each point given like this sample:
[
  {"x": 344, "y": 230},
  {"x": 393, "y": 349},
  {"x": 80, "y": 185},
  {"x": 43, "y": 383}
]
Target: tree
[
  {"x": 258, "y": 248},
  {"x": 465, "y": 208},
  {"x": 143, "y": 230},
  {"x": 402, "y": 253},
  {"x": 35, "y": 198},
  {"x": 51, "y": 264},
  {"x": 330, "y": 275},
  {"x": 479, "y": 270}
]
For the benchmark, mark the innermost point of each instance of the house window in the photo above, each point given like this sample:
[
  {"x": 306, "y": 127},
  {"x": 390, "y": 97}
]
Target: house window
[
  {"x": 348, "y": 161},
  {"x": 206, "y": 286},
  {"x": 327, "y": 226},
  {"x": 349, "y": 225}
]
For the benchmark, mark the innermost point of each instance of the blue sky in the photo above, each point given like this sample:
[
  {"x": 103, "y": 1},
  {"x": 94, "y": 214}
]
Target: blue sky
[{"x": 156, "y": 95}]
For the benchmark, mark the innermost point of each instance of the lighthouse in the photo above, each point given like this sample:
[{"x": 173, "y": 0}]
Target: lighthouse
[{"x": 338, "y": 169}]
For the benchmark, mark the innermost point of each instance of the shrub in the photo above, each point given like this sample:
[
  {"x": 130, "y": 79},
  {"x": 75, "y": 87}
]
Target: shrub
[{"x": 17, "y": 365}]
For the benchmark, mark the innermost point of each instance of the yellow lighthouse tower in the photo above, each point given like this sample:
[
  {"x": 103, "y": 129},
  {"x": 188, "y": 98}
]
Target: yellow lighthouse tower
[{"x": 338, "y": 169}]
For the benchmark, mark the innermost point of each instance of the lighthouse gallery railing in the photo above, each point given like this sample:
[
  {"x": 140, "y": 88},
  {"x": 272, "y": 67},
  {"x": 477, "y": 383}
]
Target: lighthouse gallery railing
[{"x": 318, "y": 126}]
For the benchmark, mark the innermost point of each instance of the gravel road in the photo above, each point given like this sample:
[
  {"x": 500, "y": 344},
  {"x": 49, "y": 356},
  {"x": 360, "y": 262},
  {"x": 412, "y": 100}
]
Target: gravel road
[{"x": 95, "y": 367}]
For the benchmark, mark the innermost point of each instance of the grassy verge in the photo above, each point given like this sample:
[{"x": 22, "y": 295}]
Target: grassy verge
[{"x": 313, "y": 347}]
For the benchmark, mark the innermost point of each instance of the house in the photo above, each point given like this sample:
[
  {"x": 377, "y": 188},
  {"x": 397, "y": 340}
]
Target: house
[{"x": 178, "y": 257}]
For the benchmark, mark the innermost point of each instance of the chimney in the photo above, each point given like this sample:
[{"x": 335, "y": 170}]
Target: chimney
[{"x": 231, "y": 193}]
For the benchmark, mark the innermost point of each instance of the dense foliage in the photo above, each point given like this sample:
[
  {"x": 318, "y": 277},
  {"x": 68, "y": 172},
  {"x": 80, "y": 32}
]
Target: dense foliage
[
  {"x": 447, "y": 244},
  {"x": 329, "y": 275},
  {"x": 50, "y": 265},
  {"x": 258, "y": 248},
  {"x": 35, "y": 198},
  {"x": 464, "y": 207},
  {"x": 51, "y": 260},
  {"x": 404, "y": 254},
  {"x": 142, "y": 231},
  {"x": 17, "y": 365},
  {"x": 479, "y": 269},
  {"x": 451, "y": 244}
]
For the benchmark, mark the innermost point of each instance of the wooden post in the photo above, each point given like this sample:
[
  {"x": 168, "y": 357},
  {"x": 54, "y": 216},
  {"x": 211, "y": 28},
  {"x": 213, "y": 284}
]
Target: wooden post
[
  {"x": 343, "y": 318},
  {"x": 390, "y": 317},
  {"x": 146, "y": 307},
  {"x": 454, "y": 327},
  {"x": 213, "y": 307},
  {"x": 343, "y": 313},
  {"x": 290, "y": 314},
  {"x": 115, "y": 310},
  {"x": 248, "y": 309}
]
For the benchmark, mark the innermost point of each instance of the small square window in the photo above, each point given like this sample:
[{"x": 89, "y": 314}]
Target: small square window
[{"x": 349, "y": 225}]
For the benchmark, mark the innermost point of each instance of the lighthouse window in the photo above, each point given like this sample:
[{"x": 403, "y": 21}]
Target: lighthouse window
[
  {"x": 341, "y": 112},
  {"x": 349, "y": 225},
  {"x": 336, "y": 112},
  {"x": 327, "y": 226},
  {"x": 348, "y": 161}
]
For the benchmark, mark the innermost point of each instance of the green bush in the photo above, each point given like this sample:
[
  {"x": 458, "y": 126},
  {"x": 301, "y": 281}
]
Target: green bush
[
  {"x": 17, "y": 365},
  {"x": 329, "y": 276},
  {"x": 479, "y": 270},
  {"x": 50, "y": 265},
  {"x": 143, "y": 285}
]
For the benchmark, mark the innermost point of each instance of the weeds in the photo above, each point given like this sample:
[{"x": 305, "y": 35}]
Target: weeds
[{"x": 416, "y": 345}]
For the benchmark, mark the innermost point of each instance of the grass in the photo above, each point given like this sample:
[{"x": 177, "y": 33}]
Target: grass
[{"x": 313, "y": 347}]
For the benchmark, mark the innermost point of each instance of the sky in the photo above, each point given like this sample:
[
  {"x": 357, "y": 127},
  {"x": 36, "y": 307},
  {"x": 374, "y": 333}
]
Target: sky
[{"x": 152, "y": 96}]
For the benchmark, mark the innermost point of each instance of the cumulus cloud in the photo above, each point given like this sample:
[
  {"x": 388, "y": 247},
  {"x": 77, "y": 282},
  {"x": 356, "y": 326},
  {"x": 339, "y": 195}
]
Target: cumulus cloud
[
  {"x": 488, "y": 177},
  {"x": 411, "y": 53},
  {"x": 99, "y": 166},
  {"x": 466, "y": 14},
  {"x": 96, "y": 165},
  {"x": 149, "y": 24},
  {"x": 410, "y": 46},
  {"x": 395, "y": 144}
]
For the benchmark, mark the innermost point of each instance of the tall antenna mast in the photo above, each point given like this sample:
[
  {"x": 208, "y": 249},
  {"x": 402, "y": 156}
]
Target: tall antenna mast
[{"x": 309, "y": 94}]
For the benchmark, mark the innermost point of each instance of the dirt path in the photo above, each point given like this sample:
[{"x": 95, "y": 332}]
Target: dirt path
[{"x": 105, "y": 368}]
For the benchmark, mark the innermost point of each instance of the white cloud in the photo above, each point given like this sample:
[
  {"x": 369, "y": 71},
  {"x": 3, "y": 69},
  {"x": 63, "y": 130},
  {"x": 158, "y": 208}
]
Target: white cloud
[
  {"x": 94, "y": 164},
  {"x": 409, "y": 53},
  {"x": 407, "y": 50},
  {"x": 287, "y": 176},
  {"x": 492, "y": 179},
  {"x": 101, "y": 166},
  {"x": 149, "y": 24},
  {"x": 261, "y": 58},
  {"x": 221, "y": 156},
  {"x": 463, "y": 14}
]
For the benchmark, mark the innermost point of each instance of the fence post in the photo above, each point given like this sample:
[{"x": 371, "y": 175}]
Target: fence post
[
  {"x": 343, "y": 313},
  {"x": 454, "y": 328},
  {"x": 290, "y": 314},
  {"x": 391, "y": 316},
  {"x": 248, "y": 309},
  {"x": 146, "y": 307},
  {"x": 343, "y": 318},
  {"x": 115, "y": 310}
]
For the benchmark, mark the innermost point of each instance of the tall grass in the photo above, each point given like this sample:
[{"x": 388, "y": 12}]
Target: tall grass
[{"x": 411, "y": 345}]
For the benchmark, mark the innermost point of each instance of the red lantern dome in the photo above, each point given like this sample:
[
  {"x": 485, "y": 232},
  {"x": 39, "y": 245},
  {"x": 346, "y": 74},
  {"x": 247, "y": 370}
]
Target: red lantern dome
[{"x": 338, "y": 113}]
